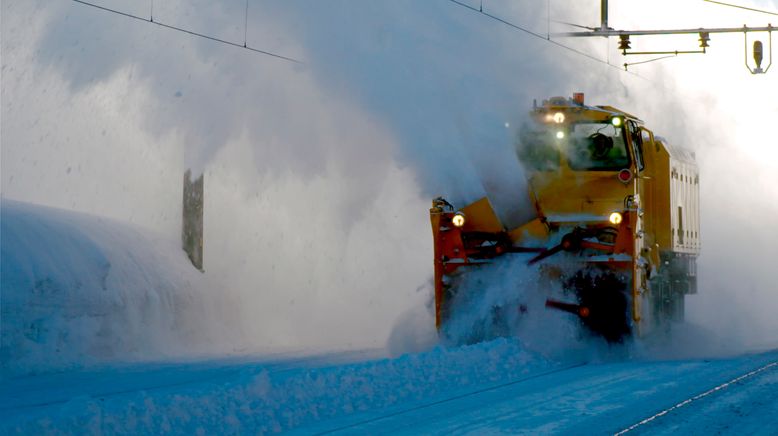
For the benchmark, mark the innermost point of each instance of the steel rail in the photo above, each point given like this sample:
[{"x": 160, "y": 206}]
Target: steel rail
[{"x": 697, "y": 397}]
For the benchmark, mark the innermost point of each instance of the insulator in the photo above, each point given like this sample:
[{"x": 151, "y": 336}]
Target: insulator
[
  {"x": 704, "y": 39},
  {"x": 624, "y": 43},
  {"x": 758, "y": 53}
]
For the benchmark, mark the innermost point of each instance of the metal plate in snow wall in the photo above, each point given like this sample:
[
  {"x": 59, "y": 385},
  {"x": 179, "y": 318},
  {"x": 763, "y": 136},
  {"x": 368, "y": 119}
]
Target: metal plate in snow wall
[{"x": 192, "y": 227}]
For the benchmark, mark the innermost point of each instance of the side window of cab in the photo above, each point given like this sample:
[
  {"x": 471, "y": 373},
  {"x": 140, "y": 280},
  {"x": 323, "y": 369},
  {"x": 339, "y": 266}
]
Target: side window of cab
[
  {"x": 636, "y": 139},
  {"x": 648, "y": 138}
]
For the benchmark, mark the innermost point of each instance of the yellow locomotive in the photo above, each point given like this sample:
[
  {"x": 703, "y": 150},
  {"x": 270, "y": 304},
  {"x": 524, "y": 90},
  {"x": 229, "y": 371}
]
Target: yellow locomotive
[{"x": 616, "y": 220}]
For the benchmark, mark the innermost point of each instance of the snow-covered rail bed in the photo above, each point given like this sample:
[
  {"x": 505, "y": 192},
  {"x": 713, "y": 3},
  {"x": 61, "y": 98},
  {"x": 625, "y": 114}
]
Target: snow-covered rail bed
[
  {"x": 488, "y": 388},
  {"x": 250, "y": 396},
  {"x": 602, "y": 399},
  {"x": 48, "y": 391}
]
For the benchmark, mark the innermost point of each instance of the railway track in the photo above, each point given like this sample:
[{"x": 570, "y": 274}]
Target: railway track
[{"x": 716, "y": 389}]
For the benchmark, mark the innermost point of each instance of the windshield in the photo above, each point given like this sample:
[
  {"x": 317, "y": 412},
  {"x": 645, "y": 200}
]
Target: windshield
[
  {"x": 537, "y": 149},
  {"x": 597, "y": 146},
  {"x": 587, "y": 147}
]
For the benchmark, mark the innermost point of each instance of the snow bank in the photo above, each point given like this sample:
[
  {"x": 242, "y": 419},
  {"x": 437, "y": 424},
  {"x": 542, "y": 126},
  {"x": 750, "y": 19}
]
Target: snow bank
[{"x": 77, "y": 289}]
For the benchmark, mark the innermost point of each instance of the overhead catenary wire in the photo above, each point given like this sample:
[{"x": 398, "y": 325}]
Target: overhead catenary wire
[
  {"x": 574, "y": 25},
  {"x": 742, "y": 7},
  {"x": 545, "y": 38},
  {"x": 190, "y": 32},
  {"x": 650, "y": 60}
]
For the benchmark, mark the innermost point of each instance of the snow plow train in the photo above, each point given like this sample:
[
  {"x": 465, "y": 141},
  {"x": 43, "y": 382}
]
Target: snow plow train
[{"x": 616, "y": 221}]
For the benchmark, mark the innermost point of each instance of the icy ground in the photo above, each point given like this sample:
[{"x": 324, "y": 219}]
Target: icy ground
[
  {"x": 489, "y": 388},
  {"x": 104, "y": 329}
]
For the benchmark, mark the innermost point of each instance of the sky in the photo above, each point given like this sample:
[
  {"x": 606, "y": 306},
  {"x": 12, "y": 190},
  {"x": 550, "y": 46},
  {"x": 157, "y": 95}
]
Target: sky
[{"x": 319, "y": 174}]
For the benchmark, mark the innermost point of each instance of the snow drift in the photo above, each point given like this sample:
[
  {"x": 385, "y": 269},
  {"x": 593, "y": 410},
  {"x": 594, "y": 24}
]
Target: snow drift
[{"x": 78, "y": 289}]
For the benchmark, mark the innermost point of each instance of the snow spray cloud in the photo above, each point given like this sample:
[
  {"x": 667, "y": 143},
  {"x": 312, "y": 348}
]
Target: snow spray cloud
[
  {"x": 318, "y": 176},
  {"x": 295, "y": 173}
]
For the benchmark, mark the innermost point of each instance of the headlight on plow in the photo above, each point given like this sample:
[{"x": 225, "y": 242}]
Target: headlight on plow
[
  {"x": 458, "y": 220},
  {"x": 615, "y": 218}
]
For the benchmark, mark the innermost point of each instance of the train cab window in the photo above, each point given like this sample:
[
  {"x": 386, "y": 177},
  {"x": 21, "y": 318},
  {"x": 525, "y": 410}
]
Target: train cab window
[
  {"x": 538, "y": 150},
  {"x": 597, "y": 147},
  {"x": 646, "y": 139}
]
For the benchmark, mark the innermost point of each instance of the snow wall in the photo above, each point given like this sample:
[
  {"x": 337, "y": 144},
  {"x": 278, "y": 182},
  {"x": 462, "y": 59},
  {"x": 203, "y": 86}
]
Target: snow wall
[{"x": 78, "y": 289}]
